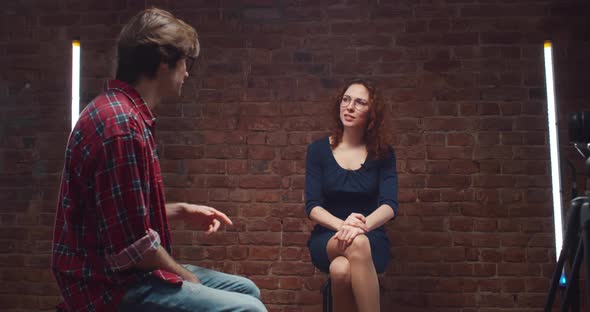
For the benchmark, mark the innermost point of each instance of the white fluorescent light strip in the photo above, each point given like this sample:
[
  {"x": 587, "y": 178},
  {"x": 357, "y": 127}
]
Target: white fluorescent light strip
[
  {"x": 75, "y": 81},
  {"x": 554, "y": 149}
]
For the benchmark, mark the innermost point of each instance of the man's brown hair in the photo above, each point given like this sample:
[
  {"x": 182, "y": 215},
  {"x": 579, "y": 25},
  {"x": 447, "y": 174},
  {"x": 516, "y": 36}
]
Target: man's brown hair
[{"x": 149, "y": 38}]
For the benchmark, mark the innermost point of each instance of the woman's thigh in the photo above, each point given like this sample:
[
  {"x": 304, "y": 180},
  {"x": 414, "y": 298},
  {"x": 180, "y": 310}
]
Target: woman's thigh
[
  {"x": 379, "y": 250},
  {"x": 317, "y": 249}
]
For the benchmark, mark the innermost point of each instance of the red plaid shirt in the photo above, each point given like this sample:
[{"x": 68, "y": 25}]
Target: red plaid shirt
[{"x": 111, "y": 210}]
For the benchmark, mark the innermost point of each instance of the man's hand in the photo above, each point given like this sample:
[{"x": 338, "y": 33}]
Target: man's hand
[
  {"x": 192, "y": 278},
  {"x": 203, "y": 218},
  {"x": 357, "y": 220}
]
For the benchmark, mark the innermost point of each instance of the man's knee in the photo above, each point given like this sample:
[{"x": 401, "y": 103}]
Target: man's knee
[
  {"x": 252, "y": 305},
  {"x": 246, "y": 297},
  {"x": 249, "y": 288}
]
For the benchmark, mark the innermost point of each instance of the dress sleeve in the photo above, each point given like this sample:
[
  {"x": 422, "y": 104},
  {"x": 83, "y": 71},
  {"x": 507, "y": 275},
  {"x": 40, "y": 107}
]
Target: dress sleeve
[
  {"x": 313, "y": 179},
  {"x": 388, "y": 182}
]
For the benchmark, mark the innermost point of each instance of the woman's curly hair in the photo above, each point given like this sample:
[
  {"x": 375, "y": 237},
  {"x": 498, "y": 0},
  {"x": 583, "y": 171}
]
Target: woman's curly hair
[{"x": 376, "y": 137}]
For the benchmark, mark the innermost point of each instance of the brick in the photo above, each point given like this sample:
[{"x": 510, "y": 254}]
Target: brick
[
  {"x": 282, "y": 297},
  {"x": 293, "y": 253},
  {"x": 253, "y": 268},
  {"x": 220, "y": 181},
  {"x": 494, "y": 152},
  {"x": 263, "y": 224},
  {"x": 518, "y": 269},
  {"x": 292, "y": 268},
  {"x": 501, "y": 37},
  {"x": 269, "y": 238},
  {"x": 239, "y": 195},
  {"x": 514, "y": 255},
  {"x": 293, "y": 283},
  {"x": 263, "y": 253},
  {"x": 261, "y": 152},
  {"x": 255, "y": 210},
  {"x": 266, "y": 282},
  {"x": 464, "y": 167},
  {"x": 441, "y": 153},
  {"x": 260, "y": 182},
  {"x": 441, "y": 66},
  {"x": 205, "y": 166},
  {"x": 459, "y": 139},
  {"x": 183, "y": 152},
  {"x": 295, "y": 239},
  {"x": 293, "y": 152}
]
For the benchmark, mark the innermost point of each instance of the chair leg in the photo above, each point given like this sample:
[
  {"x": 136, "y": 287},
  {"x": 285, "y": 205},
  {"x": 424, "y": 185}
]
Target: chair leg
[{"x": 327, "y": 296}]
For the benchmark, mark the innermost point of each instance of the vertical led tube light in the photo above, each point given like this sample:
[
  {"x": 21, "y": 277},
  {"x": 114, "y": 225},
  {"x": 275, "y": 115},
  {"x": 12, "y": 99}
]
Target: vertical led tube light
[
  {"x": 554, "y": 148},
  {"x": 75, "y": 81}
]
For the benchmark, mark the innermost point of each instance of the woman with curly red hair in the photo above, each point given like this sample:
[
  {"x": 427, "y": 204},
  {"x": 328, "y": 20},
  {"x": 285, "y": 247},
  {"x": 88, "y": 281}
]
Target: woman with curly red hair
[{"x": 351, "y": 192}]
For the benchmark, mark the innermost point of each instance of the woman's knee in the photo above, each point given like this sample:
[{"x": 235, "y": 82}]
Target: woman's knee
[
  {"x": 340, "y": 271},
  {"x": 359, "y": 249}
]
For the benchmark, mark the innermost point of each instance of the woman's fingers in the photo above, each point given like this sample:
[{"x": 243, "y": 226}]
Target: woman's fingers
[
  {"x": 359, "y": 216},
  {"x": 362, "y": 226},
  {"x": 341, "y": 243},
  {"x": 349, "y": 236},
  {"x": 359, "y": 224},
  {"x": 343, "y": 237},
  {"x": 346, "y": 236},
  {"x": 352, "y": 237}
]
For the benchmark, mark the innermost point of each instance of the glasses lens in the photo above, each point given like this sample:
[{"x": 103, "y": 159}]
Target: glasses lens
[
  {"x": 345, "y": 100},
  {"x": 190, "y": 61},
  {"x": 360, "y": 104}
]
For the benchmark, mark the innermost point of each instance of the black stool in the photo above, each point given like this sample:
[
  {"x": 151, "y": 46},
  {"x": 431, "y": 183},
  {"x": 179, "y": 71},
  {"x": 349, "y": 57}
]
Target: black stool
[{"x": 327, "y": 296}]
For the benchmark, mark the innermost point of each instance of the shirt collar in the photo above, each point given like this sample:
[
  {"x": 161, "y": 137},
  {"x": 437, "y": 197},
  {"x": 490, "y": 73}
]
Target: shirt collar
[{"x": 148, "y": 117}]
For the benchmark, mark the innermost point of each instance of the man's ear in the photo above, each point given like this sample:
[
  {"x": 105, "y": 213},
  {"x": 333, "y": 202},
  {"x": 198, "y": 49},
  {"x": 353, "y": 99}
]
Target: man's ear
[{"x": 163, "y": 68}]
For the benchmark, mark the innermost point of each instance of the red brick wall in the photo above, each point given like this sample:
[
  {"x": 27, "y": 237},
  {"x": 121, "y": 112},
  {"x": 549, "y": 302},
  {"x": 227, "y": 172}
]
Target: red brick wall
[{"x": 465, "y": 85}]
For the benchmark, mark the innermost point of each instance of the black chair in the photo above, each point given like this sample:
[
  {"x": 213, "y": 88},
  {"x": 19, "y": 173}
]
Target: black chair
[{"x": 327, "y": 296}]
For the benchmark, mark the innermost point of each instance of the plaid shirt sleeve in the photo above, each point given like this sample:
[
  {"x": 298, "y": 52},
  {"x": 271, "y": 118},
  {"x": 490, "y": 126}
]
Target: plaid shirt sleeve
[
  {"x": 122, "y": 199},
  {"x": 134, "y": 253}
]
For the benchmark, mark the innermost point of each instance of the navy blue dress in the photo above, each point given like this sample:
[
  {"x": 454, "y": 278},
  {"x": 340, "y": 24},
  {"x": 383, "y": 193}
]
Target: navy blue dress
[{"x": 342, "y": 192}]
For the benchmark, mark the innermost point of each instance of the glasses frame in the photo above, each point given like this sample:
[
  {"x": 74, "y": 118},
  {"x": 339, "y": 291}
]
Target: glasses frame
[
  {"x": 190, "y": 61},
  {"x": 358, "y": 103}
]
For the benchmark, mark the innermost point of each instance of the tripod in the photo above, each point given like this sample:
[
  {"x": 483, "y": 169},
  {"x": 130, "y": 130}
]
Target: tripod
[{"x": 576, "y": 244}]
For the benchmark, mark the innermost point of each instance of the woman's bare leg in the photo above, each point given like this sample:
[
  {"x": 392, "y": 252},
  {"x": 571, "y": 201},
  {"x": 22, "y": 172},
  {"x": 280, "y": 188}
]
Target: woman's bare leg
[
  {"x": 343, "y": 298},
  {"x": 365, "y": 283}
]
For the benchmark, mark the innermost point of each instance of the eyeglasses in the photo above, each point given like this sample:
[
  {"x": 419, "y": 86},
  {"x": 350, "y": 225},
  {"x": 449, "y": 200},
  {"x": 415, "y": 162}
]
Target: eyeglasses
[
  {"x": 190, "y": 61},
  {"x": 359, "y": 104}
]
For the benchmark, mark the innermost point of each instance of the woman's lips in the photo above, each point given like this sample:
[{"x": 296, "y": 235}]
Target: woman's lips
[{"x": 348, "y": 117}]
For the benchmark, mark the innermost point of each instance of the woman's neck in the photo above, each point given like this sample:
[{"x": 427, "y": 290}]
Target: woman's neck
[{"x": 353, "y": 137}]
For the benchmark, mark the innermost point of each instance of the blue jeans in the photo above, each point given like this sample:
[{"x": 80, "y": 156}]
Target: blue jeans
[{"x": 217, "y": 292}]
